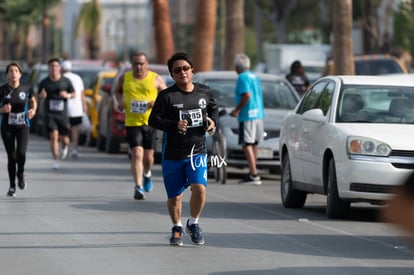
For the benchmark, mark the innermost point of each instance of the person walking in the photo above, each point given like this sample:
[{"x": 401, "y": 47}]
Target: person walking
[
  {"x": 136, "y": 92},
  {"x": 76, "y": 108},
  {"x": 56, "y": 90},
  {"x": 18, "y": 108},
  {"x": 250, "y": 113},
  {"x": 185, "y": 112},
  {"x": 298, "y": 78}
]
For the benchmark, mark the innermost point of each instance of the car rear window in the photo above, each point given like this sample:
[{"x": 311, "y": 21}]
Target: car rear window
[{"x": 377, "y": 67}]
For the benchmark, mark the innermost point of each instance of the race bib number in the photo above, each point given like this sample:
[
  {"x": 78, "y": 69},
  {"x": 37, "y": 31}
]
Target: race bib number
[
  {"x": 56, "y": 105},
  {"x": 194, "y": 117},
  {"x": 138, "y": 107},
  {"x": 17, "y": 119}
]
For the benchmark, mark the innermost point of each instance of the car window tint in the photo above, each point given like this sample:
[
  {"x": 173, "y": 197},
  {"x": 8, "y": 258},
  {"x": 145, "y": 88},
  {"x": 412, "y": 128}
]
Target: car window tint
[
  {"x": 377, "y": 67},
  {"x": 372, "y": 104},
  {"x": 223, "y": 91},
  {"x": 277, "y": 95},
  {"x": 312, "y": 97},
  {"x": 326, "y": 98}
]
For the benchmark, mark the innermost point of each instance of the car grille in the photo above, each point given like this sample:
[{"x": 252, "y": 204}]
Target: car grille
[
  {"x": 370, "y": 188},
  {"x": 409, "y": 164},
  {"x": 268, "y": 134}
]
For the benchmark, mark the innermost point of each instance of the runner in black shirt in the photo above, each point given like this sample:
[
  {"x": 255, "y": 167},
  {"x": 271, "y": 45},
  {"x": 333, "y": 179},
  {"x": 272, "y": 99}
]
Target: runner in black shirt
[
  {"x": 185, "y": 111},
  {"x": 17, "y": 108},
  {"x": 56, "y": 90}
]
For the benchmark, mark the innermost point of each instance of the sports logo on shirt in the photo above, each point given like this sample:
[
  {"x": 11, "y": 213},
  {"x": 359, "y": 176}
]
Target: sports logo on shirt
[
  {"x": 22, "y": 95},
  {"x": 202, "y": 103}
]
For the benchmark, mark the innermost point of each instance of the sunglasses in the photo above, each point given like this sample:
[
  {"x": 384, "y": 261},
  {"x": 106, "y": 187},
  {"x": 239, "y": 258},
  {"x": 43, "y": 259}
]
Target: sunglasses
[{"x": 184, "y": 68}]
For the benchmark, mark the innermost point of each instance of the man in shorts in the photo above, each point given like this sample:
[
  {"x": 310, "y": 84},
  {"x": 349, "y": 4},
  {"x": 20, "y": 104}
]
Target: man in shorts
[
  {"x": 185, "y": 112},
  {"x": 76, "y": 108},
  {"x": 136, "y": 92},
  {"x": 56, "y": 90},
  {"x": 250, "y": 113}
]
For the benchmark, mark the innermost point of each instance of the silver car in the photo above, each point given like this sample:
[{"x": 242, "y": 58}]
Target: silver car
[{"x": 223, "y": 148}]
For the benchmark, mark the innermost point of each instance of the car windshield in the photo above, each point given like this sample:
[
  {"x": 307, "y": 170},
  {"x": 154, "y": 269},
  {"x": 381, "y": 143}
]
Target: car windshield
[
  {"x": 376, "y": 104},
  {"x": 276, "y": 94}
]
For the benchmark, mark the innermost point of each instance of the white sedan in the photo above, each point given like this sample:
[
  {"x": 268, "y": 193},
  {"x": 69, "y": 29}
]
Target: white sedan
[{"x": 351, "y": 139}]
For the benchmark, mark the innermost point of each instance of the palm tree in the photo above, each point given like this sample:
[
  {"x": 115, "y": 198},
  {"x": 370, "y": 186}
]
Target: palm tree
[
  {"x": 43, "y": 6},
  {"x": 205, "y": 33},
  {"x": 164, "y": 41},
  {"x": 234, "y": 31},
  {"x": 89, "y": 21},
  {"x": 17, "y": 16},
  {"x": 342, "y": 45}
]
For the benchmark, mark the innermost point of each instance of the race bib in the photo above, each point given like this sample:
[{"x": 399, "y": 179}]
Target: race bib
[
  {"x": 194, "y": 117},
  {"x": 17, "y": 119},
  {"x": 138, "y": 107},
  {"x": 56, "y": 105}
]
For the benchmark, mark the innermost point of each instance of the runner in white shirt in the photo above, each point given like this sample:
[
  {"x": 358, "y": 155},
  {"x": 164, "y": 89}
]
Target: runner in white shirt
[{"x": 76, "y": 107}]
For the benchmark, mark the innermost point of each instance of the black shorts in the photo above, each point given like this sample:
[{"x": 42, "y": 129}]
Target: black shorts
[
  {"x": 74, "y": 121},
  {"x": 57, "y": 122},
  {"x": 140, "y": 136}
]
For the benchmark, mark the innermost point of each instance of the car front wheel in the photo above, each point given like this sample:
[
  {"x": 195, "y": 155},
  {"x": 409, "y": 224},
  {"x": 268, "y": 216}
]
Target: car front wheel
[
  {"x": 219, "y": 154},
  {"x": 335, "y": 207},
  {"x": 291, "y": 197}
]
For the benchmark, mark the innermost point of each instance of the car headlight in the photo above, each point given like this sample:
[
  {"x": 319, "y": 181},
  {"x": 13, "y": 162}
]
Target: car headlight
[{"x": 367, "y": 146}]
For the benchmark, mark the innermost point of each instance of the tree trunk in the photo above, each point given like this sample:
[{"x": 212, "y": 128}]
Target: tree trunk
[
  {"x": 342, "y": 46},
  {"x": 94, "y": 43},
  {"x": 203, "y": 55},
  {"x": 234, "y": 31},
  {"x": 45, "y": 37},
  {"x": 164, "y": 41}
]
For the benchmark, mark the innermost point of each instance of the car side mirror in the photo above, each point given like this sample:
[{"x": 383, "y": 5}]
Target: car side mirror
[
  {"x": 88, "y": 92},
  {"x": 315, "y": 115},
  {"x": 222, "y": 112}
]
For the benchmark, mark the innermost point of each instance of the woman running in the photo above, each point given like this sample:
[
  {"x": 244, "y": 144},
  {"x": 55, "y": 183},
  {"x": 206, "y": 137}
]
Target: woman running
[{"x": 17, "y": 108}]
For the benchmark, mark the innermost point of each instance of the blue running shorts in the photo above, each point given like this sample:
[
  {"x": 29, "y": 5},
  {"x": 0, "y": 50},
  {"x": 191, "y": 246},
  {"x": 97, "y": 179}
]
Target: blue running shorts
[{"x": 179, "y": 174}]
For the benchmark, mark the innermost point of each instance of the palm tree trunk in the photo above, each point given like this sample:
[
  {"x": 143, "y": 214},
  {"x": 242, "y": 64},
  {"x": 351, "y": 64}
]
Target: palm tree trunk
[
  {"x": 164, "y": 41},
  {"x": 342, "y": 29},
  {"x": 203, "y": 55},
  {"x": 234, "y": 31}
]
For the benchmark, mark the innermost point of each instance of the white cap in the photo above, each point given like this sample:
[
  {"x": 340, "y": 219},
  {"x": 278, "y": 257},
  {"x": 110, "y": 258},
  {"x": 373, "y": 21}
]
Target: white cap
[{"x": 66, "y": 65}]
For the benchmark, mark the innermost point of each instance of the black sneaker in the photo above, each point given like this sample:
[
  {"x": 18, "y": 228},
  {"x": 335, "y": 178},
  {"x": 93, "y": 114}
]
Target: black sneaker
[
  {"x": 194, "y": 231},
  {"x": 176, "y": 233},
  {"x": 139, "y": 193},
  {"x": 11, "y": 192},
  {"x": 251, "y": 180},
  {"x": 21, "y": 182}
]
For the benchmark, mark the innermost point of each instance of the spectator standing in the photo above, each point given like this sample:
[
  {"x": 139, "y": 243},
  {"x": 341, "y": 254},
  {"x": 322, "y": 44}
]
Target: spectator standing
[
  {"x": 76, "y": 108},
  {"x": 56, "y": 90},
  {"x": 18, "y": 107},
  {"x": 298, "y": 78},
  {"x": 185, "y": 112},
  {"x": 136, "y": 92},
  {"x": 250, "y": 113}
]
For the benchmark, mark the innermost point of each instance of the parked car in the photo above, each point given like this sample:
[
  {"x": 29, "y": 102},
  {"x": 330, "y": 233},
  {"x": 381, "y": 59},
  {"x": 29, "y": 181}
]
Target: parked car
[
  {"x": 350, "y": 138},
  {"x": 279, "y": 98},
  {"x": 111, "y": 130},
  {"x": 100, "y": 85},
  {"x": 373, "y": 64}
]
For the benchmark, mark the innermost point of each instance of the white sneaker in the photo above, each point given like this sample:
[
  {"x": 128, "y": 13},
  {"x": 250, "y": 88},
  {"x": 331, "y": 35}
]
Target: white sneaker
[
  {"x": 65, "y": 152},
  {"x": 55, "y": 166}
]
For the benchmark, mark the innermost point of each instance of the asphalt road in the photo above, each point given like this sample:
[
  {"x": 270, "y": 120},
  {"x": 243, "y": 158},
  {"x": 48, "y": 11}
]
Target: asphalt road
[{"x": 83, "y": 220}]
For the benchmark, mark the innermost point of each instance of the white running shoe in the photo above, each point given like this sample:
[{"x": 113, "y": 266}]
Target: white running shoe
[
  {"x": 65, "y": 152},
  {"x": 55, "y": 166}
]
